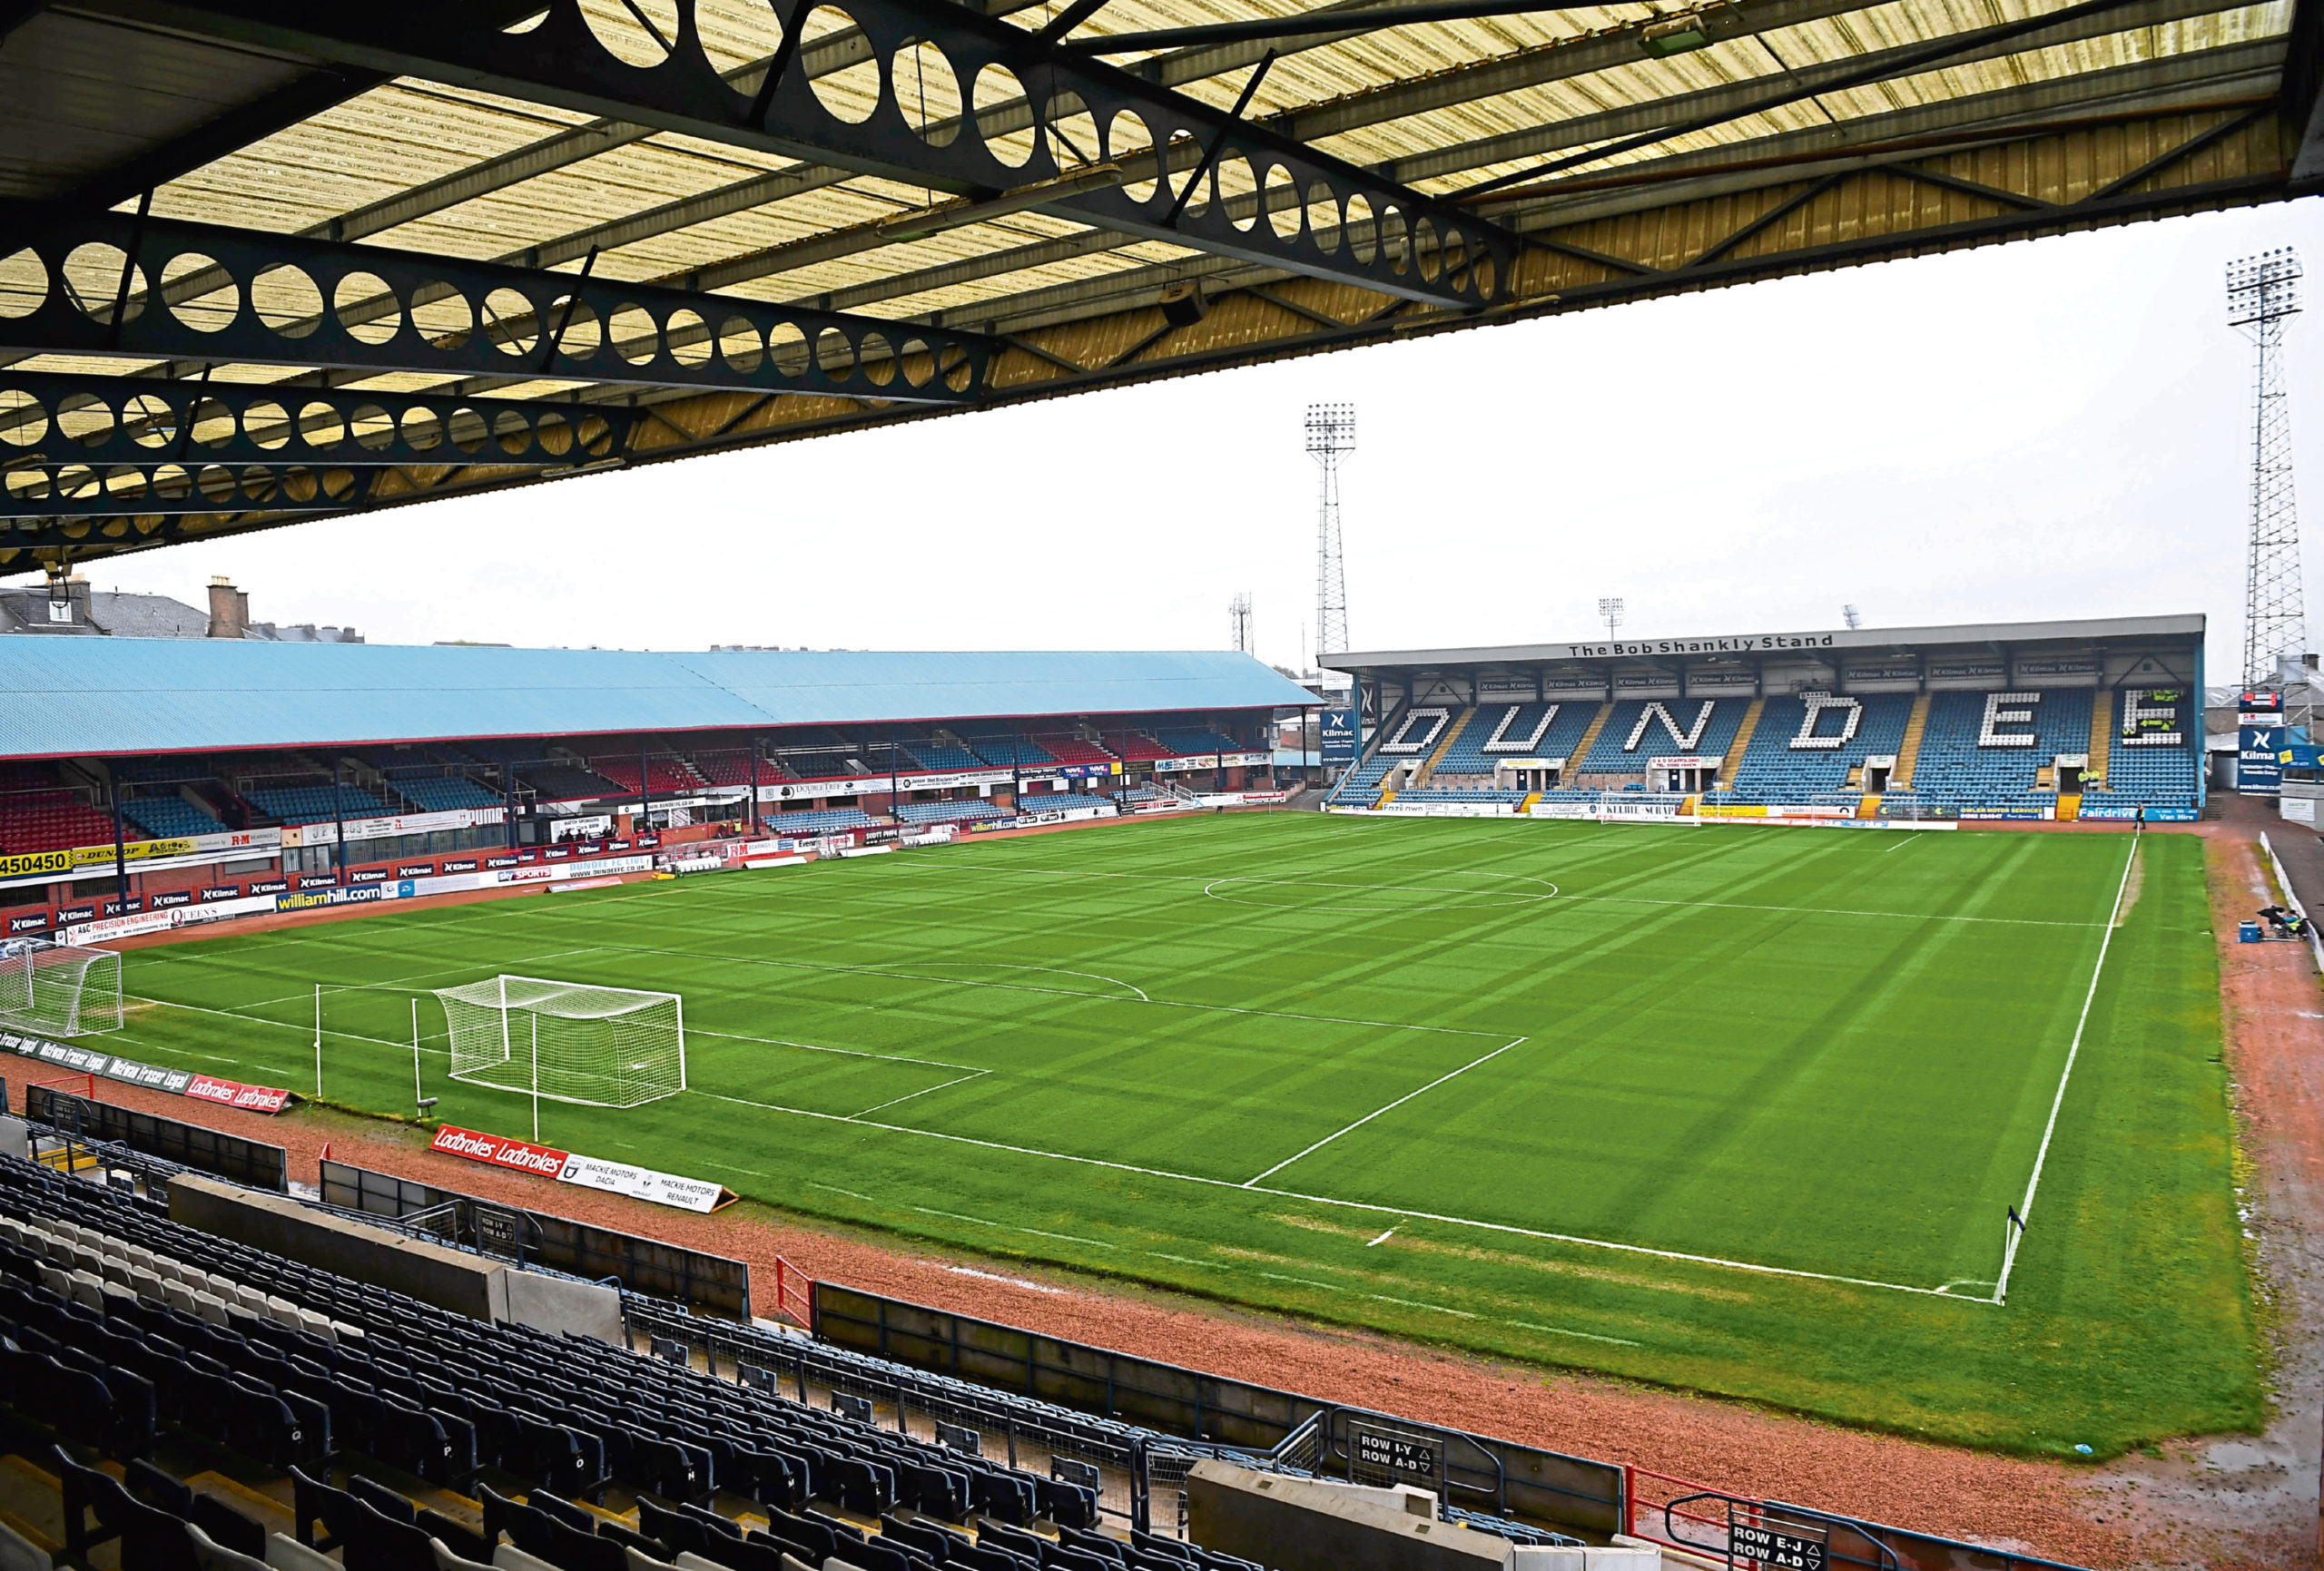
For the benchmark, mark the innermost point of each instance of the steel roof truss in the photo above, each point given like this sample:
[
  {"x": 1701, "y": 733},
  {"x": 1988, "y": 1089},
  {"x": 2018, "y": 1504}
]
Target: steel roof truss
[
  {"x": 143, "y": 490},
  {"x": 1324, "y": 216},
  {"x": 59, "y": 418},
  {"x": 324, "y": 303}
]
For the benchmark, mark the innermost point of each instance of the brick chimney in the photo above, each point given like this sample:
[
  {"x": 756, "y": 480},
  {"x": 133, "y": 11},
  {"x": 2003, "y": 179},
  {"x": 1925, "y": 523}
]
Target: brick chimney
[{"x": 229, "y": 609}]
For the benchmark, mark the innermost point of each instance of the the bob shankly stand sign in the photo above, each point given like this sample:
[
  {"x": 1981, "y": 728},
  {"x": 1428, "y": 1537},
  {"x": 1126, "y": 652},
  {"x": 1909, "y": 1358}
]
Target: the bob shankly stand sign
[{"x": 1749, "y": 644}]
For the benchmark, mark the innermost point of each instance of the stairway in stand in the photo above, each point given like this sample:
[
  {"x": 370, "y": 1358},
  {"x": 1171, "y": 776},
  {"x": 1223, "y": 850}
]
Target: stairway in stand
[
  {"x": 2102, "y": 742},
  {"x": 1452, "y": 734},
  {"x": 1733, "y": 758},
  {"x": 1900, "y": 779},
  {"x": 1589, "y": 739}
]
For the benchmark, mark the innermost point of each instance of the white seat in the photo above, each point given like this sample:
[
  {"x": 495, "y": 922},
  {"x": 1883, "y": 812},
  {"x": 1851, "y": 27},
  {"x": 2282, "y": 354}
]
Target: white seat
[
  {"x": 145, "y": 1284},
  {"x": 340, "y": 1331},
  {"x": 252, "y": 1300},
  {"x": 88, "y": 1290},
  {"x": 53, "y": 1278},
  {"x": 209, "y": 1307},
  {"x": 508, "y": 1558},
  {"x": 18, "y": 1553},
  {"x": 285, "y": 1553},
  {"x": 638, "y": 1558},
  {"x": 284, "y": 1310},
  {"x": 211, "y": 1556},
  {"x": 114, "y": 1269},
  {"x": 448, "y": 1561},
  {"x": 178, "y": 1296},
  {"x": 316, "y": 1325}
]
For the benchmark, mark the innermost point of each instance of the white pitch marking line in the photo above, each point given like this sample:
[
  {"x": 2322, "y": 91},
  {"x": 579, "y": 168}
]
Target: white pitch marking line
[
  {"x": 1604, "y": 899},
  {"x": 928, "y": 1091},
  {"x": 835, "y": 969},
  {"x": 2034, "y": 1181},
  {"x": 1390, "y": 1107},
  {"x": 1400, "y": 1211},
  {"x": 1382, "y": 1239}
]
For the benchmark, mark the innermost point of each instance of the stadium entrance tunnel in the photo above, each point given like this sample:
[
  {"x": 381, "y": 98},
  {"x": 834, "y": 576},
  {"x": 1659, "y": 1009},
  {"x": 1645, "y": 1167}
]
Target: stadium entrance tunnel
[{"x": 1437, "y": 890}]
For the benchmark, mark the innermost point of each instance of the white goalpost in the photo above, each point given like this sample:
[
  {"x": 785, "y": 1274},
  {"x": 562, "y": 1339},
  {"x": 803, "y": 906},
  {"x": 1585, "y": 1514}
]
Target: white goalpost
[
  {"x": 567, "y": 1041},
  {"x": 59, "y": 989}
]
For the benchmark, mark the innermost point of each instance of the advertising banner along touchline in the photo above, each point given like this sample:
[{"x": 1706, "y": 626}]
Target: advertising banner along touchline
[{"x": 588, "y": 1171}]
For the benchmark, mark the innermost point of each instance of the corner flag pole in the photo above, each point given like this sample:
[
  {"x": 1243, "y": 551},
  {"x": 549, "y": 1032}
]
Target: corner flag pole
[
  {"x": 418, "y": 1094},
  {"x": 536, "y": 1019}
]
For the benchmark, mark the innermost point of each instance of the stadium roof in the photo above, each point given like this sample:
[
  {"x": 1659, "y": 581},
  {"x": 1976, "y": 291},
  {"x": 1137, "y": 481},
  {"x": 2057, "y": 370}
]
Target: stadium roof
[
  {"x": 97, "y": 697},
  {"x": 400, "y": 251},
  {"x": 1763, "y": 646}
]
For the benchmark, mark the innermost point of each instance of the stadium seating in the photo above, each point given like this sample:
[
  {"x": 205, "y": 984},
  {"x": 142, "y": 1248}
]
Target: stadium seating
[
  {"x": 1467, "y": 757},
  {"x": 124, "y": 1330},
  {"x": 445, "y": 793},
  {"x": 1778, "y": 766},
  {"x": 1007, "y": 752},
  {"x": 1193, "y": 741},
  {"x": 558, "y": 782},
  {"x": 49, "y": 821},
  {"x": 733, "y": 769},
  {"x": 2151, "y": 774},
  {"x": 1073, "y": 750},
  {"x": 665, "y": 775},
  {"x": 1614, "y": 755},
  {"x": 317, "y": 804},
  {"x": 961, "y": 811},
  {"x": 1958, "y": 769},
  {"x": 170, "y": 817},
  {"x": 942, "y": 755},
  {"x": 1052, "y": 801},
  {"x": 1135, "y": 746},
  {"x": 818, "y": 822}
]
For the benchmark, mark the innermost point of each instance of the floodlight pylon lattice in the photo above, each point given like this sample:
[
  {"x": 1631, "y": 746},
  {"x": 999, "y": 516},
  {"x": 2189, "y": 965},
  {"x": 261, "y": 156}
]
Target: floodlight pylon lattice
[
  {"x": 2262, "y": 292},
  {"x": 567, "y": 1041},
  {"x": 1331, "y": 437},
  {"x": 1238, "y": 618},
  {"x": 54, "y": 989}
]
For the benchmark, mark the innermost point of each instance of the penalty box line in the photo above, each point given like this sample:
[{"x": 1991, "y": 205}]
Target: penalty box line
[
  {"x": 1390, "y": 1108},
  {"x": 1568, "y": 1238}
]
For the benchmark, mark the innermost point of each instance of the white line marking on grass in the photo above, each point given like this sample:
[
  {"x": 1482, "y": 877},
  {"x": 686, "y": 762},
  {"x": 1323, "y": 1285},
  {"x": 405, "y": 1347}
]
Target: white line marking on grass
[
  {"x": 1561, "y": 894},
  {"x": 2034, "y": 1181},
  {"x": 1000, "y": 966},
  {"x": 1902, "y": 841},
  {"x": 837, "y": 969},
  {"x": 1012, "y": 1227},
  {"x": 1382, "y": 1239},
  {"x": 1390, "y": 1107},
  {"x": 1585, "y": 1336},
  {"x": 1406, "y": 1212},
  {"x": 928, "y": 1091},
  {"x": 1505, "y": 900},
  {"x": 1382, "y": 1297}
]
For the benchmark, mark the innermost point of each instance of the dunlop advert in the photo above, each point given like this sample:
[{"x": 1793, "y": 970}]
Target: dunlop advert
[{"x": 61, "y": 863}]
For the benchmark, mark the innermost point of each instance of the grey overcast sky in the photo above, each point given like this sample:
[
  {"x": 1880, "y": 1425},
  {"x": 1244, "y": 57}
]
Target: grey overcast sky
[{"x": 2059, "y": 428}]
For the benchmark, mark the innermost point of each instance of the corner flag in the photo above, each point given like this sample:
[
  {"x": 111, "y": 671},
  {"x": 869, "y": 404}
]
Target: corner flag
[{"x": 2015, "y": 1218}]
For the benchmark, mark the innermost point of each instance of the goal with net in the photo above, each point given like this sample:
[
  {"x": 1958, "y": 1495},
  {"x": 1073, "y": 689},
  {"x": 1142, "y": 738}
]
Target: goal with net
[
  {"x": 567, "y": 1041},
  {"x": 59, "y": 989}
]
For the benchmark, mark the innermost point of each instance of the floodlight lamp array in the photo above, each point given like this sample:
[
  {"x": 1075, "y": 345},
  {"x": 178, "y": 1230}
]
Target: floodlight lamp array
[
  {"x": 2264, "y": 287},
  {"x": 1331, "y": 428}
]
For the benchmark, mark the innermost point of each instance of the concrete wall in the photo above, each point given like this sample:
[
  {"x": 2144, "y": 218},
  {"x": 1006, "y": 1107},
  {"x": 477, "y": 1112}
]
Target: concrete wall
[
  {"x": 1307, "y": 1525},
  {"x": 446, "y": 1278},
  {"x": 556, "y": 1304}
]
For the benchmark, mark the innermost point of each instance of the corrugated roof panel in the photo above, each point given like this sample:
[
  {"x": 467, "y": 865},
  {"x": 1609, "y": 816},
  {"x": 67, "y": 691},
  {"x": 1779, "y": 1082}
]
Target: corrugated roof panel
[{"x": 113, "y": 696}]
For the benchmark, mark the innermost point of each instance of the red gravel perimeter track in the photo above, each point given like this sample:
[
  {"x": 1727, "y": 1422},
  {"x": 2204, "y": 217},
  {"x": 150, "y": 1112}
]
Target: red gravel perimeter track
[{"x": 2178, "y": 1513}]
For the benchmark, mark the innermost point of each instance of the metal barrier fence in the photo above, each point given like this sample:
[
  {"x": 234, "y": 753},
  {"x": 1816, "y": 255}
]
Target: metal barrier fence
[
  {"x": 1251, "y": 1423},
  {"x": 1740, "y": 1532},
  {"x": 523, "y": 1237},
  {"x": 185, "y": 1144},
  {"x": 1001, "y": 1427}
]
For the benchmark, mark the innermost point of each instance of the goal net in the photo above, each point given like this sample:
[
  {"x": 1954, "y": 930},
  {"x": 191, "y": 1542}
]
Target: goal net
[
  {"x": 59, "y": 989},
  {"x": 567, "y": 1041}
]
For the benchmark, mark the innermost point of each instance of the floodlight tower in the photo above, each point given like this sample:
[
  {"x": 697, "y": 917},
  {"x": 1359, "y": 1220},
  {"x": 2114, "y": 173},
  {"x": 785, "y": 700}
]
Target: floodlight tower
[
  {"x": 1852, "y": 616},
  {"x": 2263, "y": 290},
  {"x": 1610, "y": 610},
  {"x": 1238, "y": 617},
  {"x": 1331, "y": 437}
]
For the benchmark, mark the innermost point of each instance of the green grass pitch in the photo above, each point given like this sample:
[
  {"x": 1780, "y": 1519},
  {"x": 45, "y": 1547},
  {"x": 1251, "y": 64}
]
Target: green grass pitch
[{"x": 1736, "y": 1110}]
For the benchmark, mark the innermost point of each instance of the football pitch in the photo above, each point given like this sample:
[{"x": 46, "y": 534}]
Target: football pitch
[{"x": 1736, "y": 1110}]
